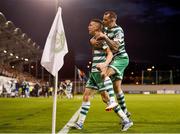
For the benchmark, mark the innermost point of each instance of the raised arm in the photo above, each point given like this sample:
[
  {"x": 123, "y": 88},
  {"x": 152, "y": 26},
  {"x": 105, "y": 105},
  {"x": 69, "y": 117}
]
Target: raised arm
[{"x": 113, "y": 44}]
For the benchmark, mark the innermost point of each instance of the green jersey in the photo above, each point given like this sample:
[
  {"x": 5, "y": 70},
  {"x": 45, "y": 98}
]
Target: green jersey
[
  {"x": 116, "y": 33},
  {"x": 99, "y": 56}
]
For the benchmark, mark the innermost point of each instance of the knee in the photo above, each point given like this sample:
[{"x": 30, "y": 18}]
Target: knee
[
  {"x": 117, "y": 89},
  {"x": 117, "y": 86},
  {"x": 86, "y": 97},
  {"x": 105, "y": 97},
  {"x": 110, "y": 71}
]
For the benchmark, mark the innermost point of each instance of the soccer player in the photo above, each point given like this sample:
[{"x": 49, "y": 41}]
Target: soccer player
[
  {"x": 101, "y": 57},
  {"x": 114, "y": 36},
  {"x": 69, "y": 88}
]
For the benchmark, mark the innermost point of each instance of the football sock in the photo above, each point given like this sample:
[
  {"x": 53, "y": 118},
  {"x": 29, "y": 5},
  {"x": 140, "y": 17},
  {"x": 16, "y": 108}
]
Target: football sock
[
  {"x": 120, "y": 113},
  {"x": 121, "y": 101},
  {"x": 83, "y": 112},
  {"x": 109, "y": 87}
]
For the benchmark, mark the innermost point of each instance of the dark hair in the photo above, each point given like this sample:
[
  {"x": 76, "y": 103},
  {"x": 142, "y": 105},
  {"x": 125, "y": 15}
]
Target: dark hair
[
  {"x": 99, "y": 22},
  {"x": 112, "y": 14}
]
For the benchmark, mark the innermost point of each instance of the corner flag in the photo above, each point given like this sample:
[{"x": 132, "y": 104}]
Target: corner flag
[
  {"x": 53, "y": 56},
  {"x": 56, "y": 46}
]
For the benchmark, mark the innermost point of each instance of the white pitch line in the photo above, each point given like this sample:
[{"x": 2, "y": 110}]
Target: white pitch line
[{"x": 65, "y": 129}]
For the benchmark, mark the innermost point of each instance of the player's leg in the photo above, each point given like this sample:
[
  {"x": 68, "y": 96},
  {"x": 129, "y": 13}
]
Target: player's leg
[
  {"x": 120, "y": 96},
  {"x": 121, "y": 109},
  {"x": 105, "y": 84},
  {"x": 116, "y": 71},
  {"x": 126, "y": 122},
  {"x": 84, "y": 108},
  {"x": 85, "y": 103},
  {"x": 117, "y": 109},
  {"x": 108, "y": 86}
]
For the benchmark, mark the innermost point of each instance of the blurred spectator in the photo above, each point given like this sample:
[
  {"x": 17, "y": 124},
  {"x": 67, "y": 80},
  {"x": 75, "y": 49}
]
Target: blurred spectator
[
  {"x": 13, "y": 88},
  {"x": 37, "y": 87},
  {"x": 17, "y": 88},
  {"x": 69, "y": 88},
  {"x": 45, "y": 89},
  {"x": 62, "y": 89}
]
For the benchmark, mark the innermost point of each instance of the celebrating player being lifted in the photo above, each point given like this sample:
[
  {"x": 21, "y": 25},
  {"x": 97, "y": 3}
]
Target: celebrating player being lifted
[
  {"x": 114, "y": 37},
  {"x": 102, "y": 56}
]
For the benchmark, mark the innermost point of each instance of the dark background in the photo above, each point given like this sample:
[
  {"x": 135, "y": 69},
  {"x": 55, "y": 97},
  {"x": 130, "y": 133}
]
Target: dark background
[{"x": 151, "y": 29}]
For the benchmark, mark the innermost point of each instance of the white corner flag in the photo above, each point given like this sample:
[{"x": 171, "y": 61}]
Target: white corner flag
[
  {"x": 56, "y": 46},
  {"x": 53, "y": 56}
]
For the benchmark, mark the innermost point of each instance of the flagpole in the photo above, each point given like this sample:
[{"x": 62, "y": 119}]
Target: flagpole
[
  {"x": 54, "y": 105},
  {"x": 55, "y": 93}
]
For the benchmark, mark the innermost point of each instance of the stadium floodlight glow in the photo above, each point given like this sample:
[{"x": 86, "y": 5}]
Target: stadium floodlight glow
[
  {"x": 26, "y": 59},
  {"x": 17, "y": 57},
  {"x": 11, "y": 54},
  {"x": 5, "y": 51},
  {"x": 149, "y": 69},
  {"x": 10, "y": 26}
]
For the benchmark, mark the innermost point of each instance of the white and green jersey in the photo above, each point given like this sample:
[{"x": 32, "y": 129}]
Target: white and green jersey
[
  {"x": 116, "y": 33},
  {"x": 99, "y": 56}
]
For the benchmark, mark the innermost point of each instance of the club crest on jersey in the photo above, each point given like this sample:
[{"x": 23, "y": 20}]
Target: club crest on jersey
[{"x": 60, "y": 41}]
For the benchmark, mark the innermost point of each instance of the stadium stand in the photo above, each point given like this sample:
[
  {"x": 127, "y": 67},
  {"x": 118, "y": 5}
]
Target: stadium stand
[
  {"x": 15, "y": 45},
  {"x": 16, "y": 50}
]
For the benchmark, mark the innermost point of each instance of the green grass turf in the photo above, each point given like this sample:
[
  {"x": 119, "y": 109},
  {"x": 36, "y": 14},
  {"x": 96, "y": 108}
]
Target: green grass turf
[
  {"x": 150, "y": 113},
  {"x": 34, "y": 115}
]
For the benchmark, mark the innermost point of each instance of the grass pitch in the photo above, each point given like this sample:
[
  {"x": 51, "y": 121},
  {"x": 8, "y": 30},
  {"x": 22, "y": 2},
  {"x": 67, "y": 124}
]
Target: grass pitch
[{"x": 150, "y": 114}]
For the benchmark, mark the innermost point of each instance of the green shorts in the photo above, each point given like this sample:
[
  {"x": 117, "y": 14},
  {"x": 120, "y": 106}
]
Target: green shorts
[
  {"x": 95, "y": 81},
  {"x": 119, "y": 64}
]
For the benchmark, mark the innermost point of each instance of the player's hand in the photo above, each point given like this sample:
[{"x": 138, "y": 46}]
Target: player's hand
[
  {"x": 101, "y": 66},
  {"x": 101, "y": 36},
  {"x": 103, "y": 73},
  {"x": 95, "y": 43}
]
